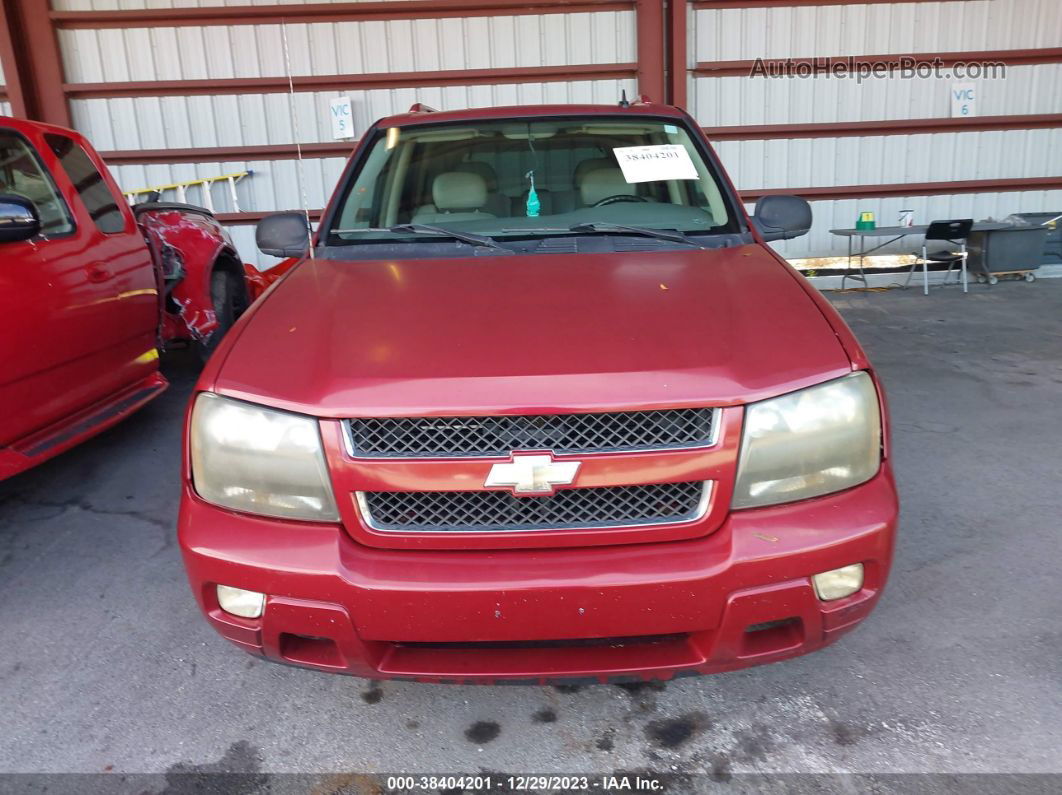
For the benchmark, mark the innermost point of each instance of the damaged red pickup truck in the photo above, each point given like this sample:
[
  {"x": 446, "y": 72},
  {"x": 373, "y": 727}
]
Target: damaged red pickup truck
[
  {"x": 542, "y": 405},
  {"x": 91, "y": 289}
]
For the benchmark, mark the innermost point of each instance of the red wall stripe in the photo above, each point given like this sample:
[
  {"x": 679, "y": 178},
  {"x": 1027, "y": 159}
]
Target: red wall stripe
[
  {"x": 279, "y": 84},
  {"x": 838, "y": 192},
  {"x": 862, "y": 129},
  {"x": 792, "y": 3},
  {"x": 743, "y": 68},
  {"x": 326, "y": 12},
  {"x": 228, "y": 154},
  {"x": 822, "y": 194},
  {"x": 759, "y": 132}
]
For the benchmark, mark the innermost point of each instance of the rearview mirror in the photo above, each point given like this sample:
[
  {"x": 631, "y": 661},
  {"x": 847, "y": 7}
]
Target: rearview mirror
[
  {"x": 18, "y": 219},
  {"x": 283, "y": 234},
  {"x": 782, "y": 217}
]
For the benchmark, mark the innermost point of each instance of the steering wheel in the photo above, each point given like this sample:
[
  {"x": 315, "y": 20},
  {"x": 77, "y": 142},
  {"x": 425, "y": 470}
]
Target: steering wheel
[{"x": 620, "y": 197}]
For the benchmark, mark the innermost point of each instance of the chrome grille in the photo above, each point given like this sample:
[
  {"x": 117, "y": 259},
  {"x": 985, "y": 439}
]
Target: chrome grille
[
  {"x": 494, "y": 435},
  {"x": 499, "y": 511}
]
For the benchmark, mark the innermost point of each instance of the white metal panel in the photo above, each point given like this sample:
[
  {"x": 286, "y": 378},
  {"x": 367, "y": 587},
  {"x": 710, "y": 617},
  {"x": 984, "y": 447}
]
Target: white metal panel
[
  {"x": 936, "y": 157},
  {"x": 243, "y": 239},
  {"x": 217, "y": 52},
  {"x": 5, "y": 108},
  {"x": 258, "y": 119},
  {"x": 130, "y": 5},
  {"x": 875, "y": 29},
  {"x": 272, "y": 184},
  {"x": 191, "y": 122},
  {"x": 728, "y": 101},
  {"x": 843, "y": 214}
]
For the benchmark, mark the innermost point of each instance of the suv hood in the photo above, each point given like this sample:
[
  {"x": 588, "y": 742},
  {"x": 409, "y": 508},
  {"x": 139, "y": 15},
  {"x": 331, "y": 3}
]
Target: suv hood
[{"x": 532, "y": 333}]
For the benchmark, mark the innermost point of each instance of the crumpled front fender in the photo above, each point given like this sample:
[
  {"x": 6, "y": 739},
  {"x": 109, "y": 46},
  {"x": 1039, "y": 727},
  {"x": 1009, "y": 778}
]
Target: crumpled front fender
[{"x": 187, "y": 244}]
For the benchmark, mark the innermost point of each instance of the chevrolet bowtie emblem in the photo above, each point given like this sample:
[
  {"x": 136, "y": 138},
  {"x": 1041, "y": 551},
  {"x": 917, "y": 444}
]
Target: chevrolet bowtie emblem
[{"x": 529, "y": 474}]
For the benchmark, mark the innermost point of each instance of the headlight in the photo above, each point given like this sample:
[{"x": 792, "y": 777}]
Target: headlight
[
  {"x": 259, "y": 460},
  {"x": 812, "y": 442}
]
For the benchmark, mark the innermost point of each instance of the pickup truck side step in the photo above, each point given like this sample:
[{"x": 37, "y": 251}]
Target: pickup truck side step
[{"x": 53, "y": 440}]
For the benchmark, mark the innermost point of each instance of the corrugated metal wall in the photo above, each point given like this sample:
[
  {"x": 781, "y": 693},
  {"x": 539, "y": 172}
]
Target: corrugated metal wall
[
  {"x": 873, "y": 29},
  {"x": 512, "y": 40},
  {"x": 838, "y": 214},
  {"x": 325, "y": 48},
  {"x": 865, "y": 29}
]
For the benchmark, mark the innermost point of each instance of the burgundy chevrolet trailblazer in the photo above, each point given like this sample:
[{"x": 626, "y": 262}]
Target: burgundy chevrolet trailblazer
[{"x": 539, "y": 403}]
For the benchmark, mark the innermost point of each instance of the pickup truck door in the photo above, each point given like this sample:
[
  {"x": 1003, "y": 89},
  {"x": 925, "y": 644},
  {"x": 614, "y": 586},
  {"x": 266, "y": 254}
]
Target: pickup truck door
[{"x": 79, "y": 303}]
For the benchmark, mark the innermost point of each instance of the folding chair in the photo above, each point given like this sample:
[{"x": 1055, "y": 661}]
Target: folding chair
[{"x": 954, "y": 232}]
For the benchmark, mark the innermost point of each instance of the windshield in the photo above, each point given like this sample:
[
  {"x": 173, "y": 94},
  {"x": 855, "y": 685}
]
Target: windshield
[{"x": 531, "y": 178}]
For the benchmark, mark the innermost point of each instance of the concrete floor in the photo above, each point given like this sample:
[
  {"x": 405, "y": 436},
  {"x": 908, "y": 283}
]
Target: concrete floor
[{"x": 106, "y": 665}]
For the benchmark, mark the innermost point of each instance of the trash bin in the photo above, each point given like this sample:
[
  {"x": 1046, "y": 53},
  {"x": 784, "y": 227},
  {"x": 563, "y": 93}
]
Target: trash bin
[
  {"x": 1014, "y": 250},
  {"x": 1053, "y": 247}
]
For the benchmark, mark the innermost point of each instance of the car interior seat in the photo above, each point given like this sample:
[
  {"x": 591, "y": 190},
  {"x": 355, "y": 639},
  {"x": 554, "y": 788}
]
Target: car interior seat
[
  {"x": 604, "y": 182},
  {"x": 497, "y": 204},
  {"x": 568, "y": 200},
  {"x": 456, "y": 196}
]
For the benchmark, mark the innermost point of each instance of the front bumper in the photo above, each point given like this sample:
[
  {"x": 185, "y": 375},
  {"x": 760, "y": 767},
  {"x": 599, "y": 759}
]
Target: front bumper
[{"x": 740, "y": 596}]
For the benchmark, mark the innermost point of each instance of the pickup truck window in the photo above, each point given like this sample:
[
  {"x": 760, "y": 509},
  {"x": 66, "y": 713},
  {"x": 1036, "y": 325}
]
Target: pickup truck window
[
  {"x": 532, "y": 178},
  {"x": 99, "y": 201},
  {"x": 21, "y": 174}
]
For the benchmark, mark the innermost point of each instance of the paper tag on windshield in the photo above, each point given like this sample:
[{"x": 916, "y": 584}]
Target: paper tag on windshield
[{"x": 652, "y": 163}]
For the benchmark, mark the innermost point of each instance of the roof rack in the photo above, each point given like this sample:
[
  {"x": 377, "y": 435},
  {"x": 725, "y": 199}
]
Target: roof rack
[{"x": 420, "y": 107}]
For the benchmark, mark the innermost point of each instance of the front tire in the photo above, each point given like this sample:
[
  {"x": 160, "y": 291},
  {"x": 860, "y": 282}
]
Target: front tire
[{"x": 228, "y": 295}]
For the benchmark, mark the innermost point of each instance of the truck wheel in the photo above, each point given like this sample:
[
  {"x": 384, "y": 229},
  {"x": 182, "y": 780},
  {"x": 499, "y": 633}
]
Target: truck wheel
[{"x": 229, "y": 299}]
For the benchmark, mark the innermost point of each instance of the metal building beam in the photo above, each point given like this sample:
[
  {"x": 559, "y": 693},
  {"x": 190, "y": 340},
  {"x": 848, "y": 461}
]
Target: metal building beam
[
  {"x": 326, "y": 12},
  {"x": 9, "y": 60},
  {"x": 1014, "y": 57},
  {"x": 33, "y": 68},
  {"x": 279, "y": 84},
  {"x": 751, "y": 132},
  {"x": 649, "y": 16},
  {"x": 815, "y": 194},
  {"x": 677, "y": 52}
]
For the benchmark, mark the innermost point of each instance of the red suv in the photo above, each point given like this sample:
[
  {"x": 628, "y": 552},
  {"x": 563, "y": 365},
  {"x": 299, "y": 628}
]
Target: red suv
[{"x": 536, "y": 402}]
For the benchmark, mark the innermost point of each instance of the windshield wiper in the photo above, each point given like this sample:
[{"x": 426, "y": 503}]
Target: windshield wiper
[
  {"x": 427, "y": 229},
  {"x": 438, "y": 231},
  {"x": 663, "y": 234}
]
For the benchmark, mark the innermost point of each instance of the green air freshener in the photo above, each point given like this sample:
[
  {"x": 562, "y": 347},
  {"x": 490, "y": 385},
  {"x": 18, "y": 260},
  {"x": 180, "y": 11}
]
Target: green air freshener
[{"x": 533, "y": 204}]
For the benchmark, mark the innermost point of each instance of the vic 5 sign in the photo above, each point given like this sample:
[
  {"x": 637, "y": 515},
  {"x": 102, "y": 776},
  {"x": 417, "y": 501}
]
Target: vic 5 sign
[
  {"x": 963, "y": 99},
  {"x": 342, "y": 118}
]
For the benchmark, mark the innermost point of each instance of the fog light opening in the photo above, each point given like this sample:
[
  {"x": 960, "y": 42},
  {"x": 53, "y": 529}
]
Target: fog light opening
[
  {"x": 771, "y": 637},
  {"x": 310, "y": 650},
  {"x": 240, "y": 602},
  {"x": 838, "y": 583}
]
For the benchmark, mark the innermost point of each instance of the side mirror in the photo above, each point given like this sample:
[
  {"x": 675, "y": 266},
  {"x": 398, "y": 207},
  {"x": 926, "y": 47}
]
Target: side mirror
[
  {"x": 283, "y": 234},
  {"x": 782, "y": 217},
  {"x": 18, "y": 219}
]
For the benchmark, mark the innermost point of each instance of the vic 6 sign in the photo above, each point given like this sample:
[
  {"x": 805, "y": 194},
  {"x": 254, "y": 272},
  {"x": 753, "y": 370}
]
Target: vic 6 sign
[{"x": 963, "y": 99}]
